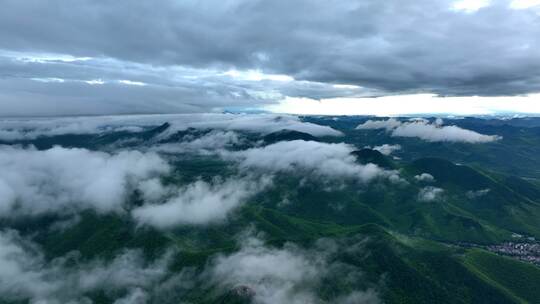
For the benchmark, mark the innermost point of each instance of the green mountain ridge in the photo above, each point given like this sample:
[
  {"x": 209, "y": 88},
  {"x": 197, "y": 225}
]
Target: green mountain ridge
[{"x": 380, "y": 236}]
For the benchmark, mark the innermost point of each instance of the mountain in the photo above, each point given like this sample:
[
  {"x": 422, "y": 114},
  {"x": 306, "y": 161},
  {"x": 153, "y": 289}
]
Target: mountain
[
  {"x": 419, "y": 230},
  {"x": 366, "y": 156},
  {"x": 287, "y": 135}
]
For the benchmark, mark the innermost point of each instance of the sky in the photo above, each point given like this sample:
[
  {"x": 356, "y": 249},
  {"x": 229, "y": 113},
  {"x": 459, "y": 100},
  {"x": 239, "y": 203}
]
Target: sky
[{"x": 394, "y": 57}]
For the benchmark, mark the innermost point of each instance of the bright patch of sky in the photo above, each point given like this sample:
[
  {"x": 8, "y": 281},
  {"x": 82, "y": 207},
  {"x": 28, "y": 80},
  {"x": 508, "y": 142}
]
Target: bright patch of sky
[
  {"x": 50, "y": 79},
  {"x": 409, "y": 105},
  {"x": 470, "y": 6},
  {"x": 95, "y": 81},
  {"x": 130, "y": 82},
  {"x": 255, "y": 75},
  {"x": 524, "y": 4},
  {"x": 346, "y": 86},
  {"x": 41, "y": 57}
]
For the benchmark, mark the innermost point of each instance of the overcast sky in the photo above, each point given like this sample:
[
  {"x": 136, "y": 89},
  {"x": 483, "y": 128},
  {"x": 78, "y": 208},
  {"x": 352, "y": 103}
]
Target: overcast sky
[{"x": 303, "y": 56}]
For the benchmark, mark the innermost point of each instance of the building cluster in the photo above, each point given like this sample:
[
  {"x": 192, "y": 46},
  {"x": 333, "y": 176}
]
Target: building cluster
[{"x": 526, "y": 251}]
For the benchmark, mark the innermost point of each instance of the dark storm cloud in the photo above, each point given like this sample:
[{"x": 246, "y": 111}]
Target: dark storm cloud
[{"x": 385, "y": 46}]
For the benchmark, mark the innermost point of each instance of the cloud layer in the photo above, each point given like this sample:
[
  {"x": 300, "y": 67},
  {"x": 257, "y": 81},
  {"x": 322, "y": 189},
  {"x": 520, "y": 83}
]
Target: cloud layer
[
  {"x": 31, "y": 128},
  {"x": 423, "y": 129},
  {"x": 96, "y": 57}
]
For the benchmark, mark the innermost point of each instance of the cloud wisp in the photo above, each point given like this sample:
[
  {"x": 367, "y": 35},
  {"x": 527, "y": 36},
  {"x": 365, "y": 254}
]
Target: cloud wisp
[{"x": 475, "y": 194}]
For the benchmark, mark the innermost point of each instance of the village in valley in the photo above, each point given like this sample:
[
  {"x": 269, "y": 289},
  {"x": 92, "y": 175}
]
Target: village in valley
[{"x": 526, "y": 249}]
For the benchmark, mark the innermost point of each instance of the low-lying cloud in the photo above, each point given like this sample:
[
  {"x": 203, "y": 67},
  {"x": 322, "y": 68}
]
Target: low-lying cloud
[
  {"x": 331, "y": 160},
  {"x": 64, "y": 180},
  {"x": 424, "y": 177},
  {"x": 432, "y": 132},
  {"x": 284, "y": 275},
  {"x": 387, "y": 149},
  {"x": 197, "y": 203},
  {"x": 31, "y": 128},
  {"x": 25, "y": 274},
  {"x": 474, "y": 194},
  {"x": 389, "y": 124},
  {"x": 69, "y": 180},
  {"x": 204, "y": 144},
  {"x": 430, "y": 194},
  {"x": 277, "y": 275}
]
